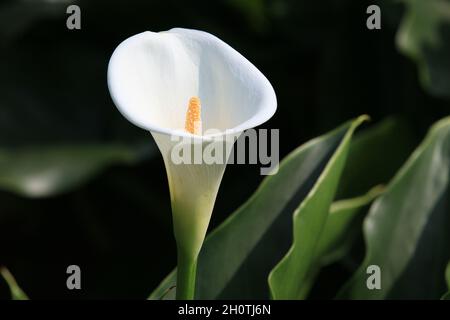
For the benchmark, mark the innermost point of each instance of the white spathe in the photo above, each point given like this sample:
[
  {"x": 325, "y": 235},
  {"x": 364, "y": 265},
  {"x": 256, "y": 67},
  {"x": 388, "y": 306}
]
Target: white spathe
[{"x": 152, "y": 76}]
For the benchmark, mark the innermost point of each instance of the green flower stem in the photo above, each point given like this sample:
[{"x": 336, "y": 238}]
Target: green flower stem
[{"x": 186, "y": 274}]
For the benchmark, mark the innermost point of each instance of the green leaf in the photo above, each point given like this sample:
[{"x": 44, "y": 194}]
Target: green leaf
[
  {"x": 375, "y": 155},
  {"x": 446, "y": 296},
  {"x": 237, "y": 257},
  {"x": 16, "y": 292},
  {"x": 287, "y": 278},
  {"x": 338, "y": 235},
  {"x": 166, "y": 289},
  {"x": 45, "y": 171},
  {"x": 447, "y": 275},
  {"x": 406, "y": 230},
  {"x": 424, "y": 35},
  {"x": 337, "y": 238}
]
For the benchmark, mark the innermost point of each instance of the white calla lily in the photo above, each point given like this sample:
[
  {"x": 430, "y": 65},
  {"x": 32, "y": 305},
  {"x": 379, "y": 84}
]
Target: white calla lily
[{"x": 151, "y": 78}]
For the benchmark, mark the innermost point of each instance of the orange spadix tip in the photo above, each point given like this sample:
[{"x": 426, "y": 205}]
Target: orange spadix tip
[{"x": 193, "y": 117}]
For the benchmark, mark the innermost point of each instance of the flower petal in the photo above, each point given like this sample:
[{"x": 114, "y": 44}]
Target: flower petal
[{"x": 152, "y": 76}]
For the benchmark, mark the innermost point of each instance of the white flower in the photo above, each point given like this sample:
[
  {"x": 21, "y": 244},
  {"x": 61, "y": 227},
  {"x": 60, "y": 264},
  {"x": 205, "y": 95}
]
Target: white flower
[{"x": 153, "y": 76}]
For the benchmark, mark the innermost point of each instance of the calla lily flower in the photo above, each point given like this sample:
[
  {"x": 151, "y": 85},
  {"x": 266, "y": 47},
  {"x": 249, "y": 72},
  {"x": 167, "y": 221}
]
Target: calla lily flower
[{"x": 181, "y": 84}]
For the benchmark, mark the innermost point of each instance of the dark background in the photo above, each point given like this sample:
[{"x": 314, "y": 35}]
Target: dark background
[{"x": 325, "y": 65}]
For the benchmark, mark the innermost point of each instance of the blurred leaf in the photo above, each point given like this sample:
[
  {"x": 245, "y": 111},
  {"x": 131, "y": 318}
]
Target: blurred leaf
[
  {"x": 253, "y": 10},
  {"x": 447, "y": 275},
  {"x": 406, "y": 230},
  {"x": 19, "y": 15},
  {"x": 447, "y": 279},
  {"x": 375, "y": 155},
  {"x": 46, "y": 171},
  {"x": 287, "y": 278},
  {"x": 237, "y": 256},
  {"x": 58, "y": 125},
  {"x": 16, "y": 292},
  {"x": 424, "y": 35}
]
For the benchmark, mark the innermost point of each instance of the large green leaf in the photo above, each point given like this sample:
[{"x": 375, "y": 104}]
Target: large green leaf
[
  {"x": 287, "y": 279},
  {"x": 375, "y": 155},
  {"x": 406, "y": 230},
  {"x": 238, "y": 256},
  {"x": 44, "y": 171},
  {"x": 424, "y": 35},
  {"x": 335, "y": 242}
]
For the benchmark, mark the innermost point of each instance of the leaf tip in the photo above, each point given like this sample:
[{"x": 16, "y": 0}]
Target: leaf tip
[{"x": 363, "y": 118}]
